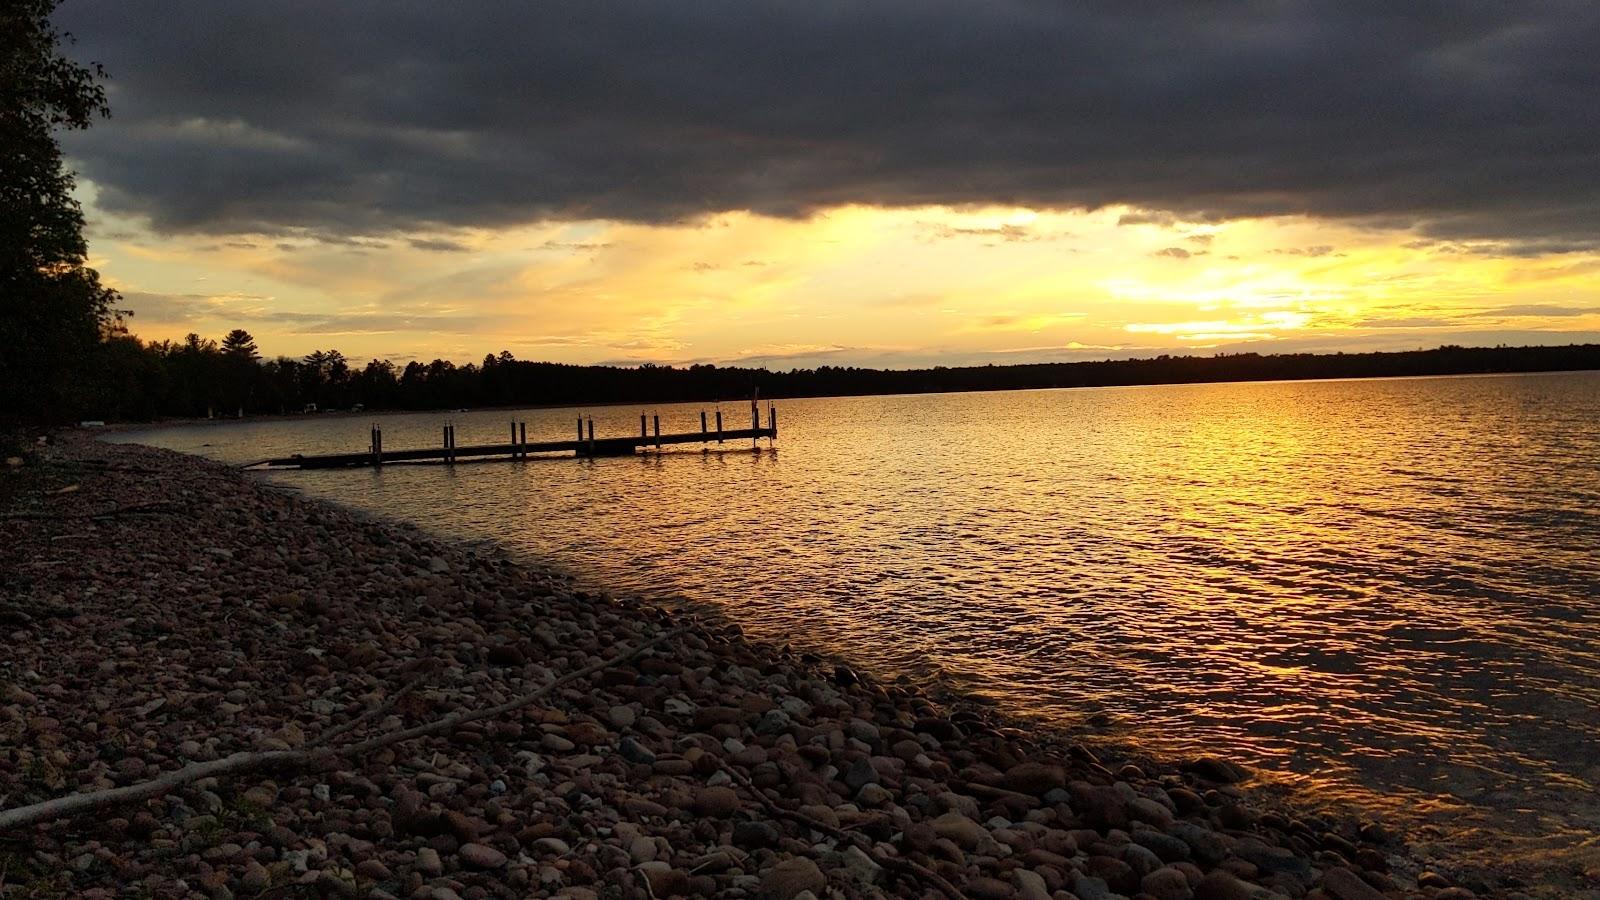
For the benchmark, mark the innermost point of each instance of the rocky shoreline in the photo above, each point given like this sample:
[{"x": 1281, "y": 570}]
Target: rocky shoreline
[{"x": 161, "y": 610}]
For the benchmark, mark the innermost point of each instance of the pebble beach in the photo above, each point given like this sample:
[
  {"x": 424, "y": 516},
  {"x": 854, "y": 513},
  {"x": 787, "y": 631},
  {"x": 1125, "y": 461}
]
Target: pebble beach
[{"x": 161, "y": 611}]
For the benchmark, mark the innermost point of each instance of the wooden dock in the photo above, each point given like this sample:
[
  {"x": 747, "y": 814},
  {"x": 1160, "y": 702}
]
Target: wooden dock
[{"x": 519, "y": 447}]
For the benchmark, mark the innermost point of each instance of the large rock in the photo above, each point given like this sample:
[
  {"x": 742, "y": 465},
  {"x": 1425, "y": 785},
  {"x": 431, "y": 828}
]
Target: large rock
[
  {"x": 858, "y": 865},
  {"x": 635, "y": 752},
  {"x": 982, "y": 888},
  {"x": 1167, "y": 884},
  {"x": 754, "y": 835},
  {"x": 481, "y": 856},
  {"x": 859, "y": 775},
  {"x": 966, "y": 833},
  {"x": 1030, "y": 885},
  {"x": 1218, "y": 770},
  {"x": 1143, "y": 809},
  {"x": 1088, "y": 887},
  {"x": 1220, "y": 885},
  {"x": 665, "y": 881},
  {"x": 256, "y": 878},
  {"x": 792, "y": 877},
  {"x": 1207, "y": 846},
  {"x": 1034, "y": 778},
  {"x": 1168, "y": 848},
  {"x": 1271, "y": 859},
  {"x": 1100, "y": 805},
  {"x": 1343, "y": 884},
  {"x": 715, "y": 802}
]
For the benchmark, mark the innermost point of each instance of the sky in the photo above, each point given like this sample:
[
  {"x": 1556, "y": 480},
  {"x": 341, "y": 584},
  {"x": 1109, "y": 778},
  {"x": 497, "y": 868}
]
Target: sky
[{"x": 866, "y": 183}]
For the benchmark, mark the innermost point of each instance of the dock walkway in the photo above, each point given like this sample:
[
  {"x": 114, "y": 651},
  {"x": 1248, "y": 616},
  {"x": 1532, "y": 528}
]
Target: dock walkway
[{"x": 519, "y": 447}]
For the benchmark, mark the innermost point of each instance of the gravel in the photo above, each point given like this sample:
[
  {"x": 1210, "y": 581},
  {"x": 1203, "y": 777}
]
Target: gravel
[{"x": 234, "y": 616}]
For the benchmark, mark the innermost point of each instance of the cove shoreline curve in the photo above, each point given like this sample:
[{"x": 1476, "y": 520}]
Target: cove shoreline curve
[{"x": 166, "y": 610}]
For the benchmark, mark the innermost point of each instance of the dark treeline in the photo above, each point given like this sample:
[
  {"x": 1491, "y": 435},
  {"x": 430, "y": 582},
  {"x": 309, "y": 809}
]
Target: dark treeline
[{"x": 199, "y": 377}]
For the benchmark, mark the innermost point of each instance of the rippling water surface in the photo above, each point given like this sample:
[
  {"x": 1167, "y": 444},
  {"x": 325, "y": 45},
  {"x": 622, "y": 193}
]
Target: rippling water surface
[{"x": 1387, "y": 592}]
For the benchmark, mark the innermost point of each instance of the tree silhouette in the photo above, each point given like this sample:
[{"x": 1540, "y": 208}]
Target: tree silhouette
[
  {"x": 197, "y": 377},
  {"x": 239, "y": 362},
  {"x": 239, "y": 344},
  {"x": 53, "y": 309}
]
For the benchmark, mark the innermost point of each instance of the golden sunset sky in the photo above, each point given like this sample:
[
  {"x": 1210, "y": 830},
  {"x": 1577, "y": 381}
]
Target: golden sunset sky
[
  {"x": 886, "y": 183},
  {"x": 851, "y": 285}
]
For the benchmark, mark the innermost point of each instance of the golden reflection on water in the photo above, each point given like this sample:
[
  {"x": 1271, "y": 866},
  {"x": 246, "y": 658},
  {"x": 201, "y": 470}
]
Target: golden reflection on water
[{"x": 1384, "y": 593}]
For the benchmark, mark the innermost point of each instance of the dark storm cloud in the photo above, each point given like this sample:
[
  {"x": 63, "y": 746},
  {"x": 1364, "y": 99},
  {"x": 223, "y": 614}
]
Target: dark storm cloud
[
  {"x": 439, "y": 245},
  {"x": 1471, "y": 120}
]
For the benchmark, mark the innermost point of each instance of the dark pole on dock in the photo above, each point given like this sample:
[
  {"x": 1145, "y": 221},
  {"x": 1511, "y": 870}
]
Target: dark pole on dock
[
  {"x": 703, "y": 430},
  {"x": 772, "y": 423},
  {"x": 377, "y": 445},
  {"x": 755, "y": 425},
  {"x": 719, "y": 426},
  {"x": 580, "y": 429},
  {"x": 513, "y": 440},
  {"x": 522, "y": 442},
  {"x": 642, "y": 432},
  {"x": 658, "y": 432},
  {"x": 591, "y": 435}
]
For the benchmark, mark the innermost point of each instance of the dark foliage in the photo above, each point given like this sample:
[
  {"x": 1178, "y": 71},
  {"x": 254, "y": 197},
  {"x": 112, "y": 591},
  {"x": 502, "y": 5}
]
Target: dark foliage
[
  {"x": 53, "y": 309},
  {"x": 198, "y": 377}
]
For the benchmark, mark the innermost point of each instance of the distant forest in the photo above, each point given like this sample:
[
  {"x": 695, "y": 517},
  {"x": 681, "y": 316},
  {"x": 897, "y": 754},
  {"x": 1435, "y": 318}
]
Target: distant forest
[{"x": 198, "y": 377}]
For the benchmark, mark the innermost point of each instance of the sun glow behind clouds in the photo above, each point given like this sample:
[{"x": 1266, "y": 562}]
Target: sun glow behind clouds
[{"x": 856, "y": 284}]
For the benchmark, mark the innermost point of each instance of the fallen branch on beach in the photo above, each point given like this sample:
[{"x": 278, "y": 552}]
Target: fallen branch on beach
[
  {"x": 376, "y": 712},
  {"x": 323, "y": 747},
  {"x": 238, "y": 763}
]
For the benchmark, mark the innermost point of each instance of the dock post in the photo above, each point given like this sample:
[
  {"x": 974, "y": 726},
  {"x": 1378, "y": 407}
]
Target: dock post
[
  {"x": 658, "y": 432},
  {"x": 580, "y": 429},
  {"x": 522, "y": 442},
  {"x": 513, "y": 440},
  {"x": 772, "y": 423},
  {"x": 642, "y": 432},
  {"x": 591, "y": 435},
  {"x": 704, "y": 431},
  {"x": 377, "y": 445},
  {"x": 719, "y": 426},
  {"x": 755, "y": 425}
]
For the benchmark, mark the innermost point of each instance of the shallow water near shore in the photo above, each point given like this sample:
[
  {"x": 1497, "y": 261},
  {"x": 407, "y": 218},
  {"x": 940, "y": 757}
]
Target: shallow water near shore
[{"x": 1381, "y": 593}]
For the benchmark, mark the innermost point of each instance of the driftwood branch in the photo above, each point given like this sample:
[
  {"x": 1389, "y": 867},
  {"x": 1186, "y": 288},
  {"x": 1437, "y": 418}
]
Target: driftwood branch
[
  {"x": 376, "y": 712},
  {"x": 77, "y": 804},
  {"x": 899, "y": 863}
]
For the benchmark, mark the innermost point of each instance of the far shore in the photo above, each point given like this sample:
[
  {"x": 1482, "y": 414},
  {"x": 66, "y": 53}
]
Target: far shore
[
  {"x": 184, "y": 422},
  {"x": 167, "y": 610}
]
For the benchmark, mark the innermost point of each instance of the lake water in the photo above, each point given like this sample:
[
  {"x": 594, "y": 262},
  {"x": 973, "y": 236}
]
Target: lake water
[{"x": 1383, "y": 593}]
